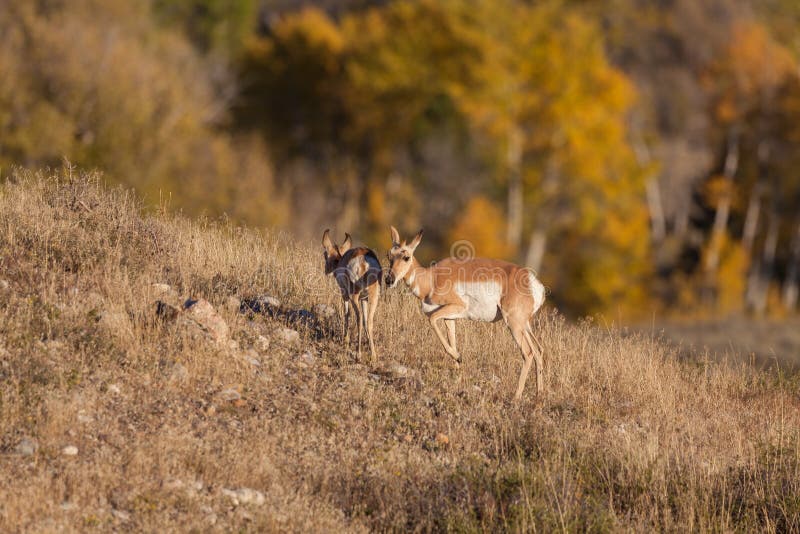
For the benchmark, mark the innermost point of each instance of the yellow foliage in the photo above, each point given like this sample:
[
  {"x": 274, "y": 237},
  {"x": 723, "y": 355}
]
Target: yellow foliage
[
  {"x": 311, "y": 31},
  {"x": 717, "y": 188},
  {"x": 753, "y": 65},
  {"x": 731, "y": 277}
]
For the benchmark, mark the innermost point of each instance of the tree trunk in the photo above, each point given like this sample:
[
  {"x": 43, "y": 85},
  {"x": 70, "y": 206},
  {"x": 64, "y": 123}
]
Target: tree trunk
[
  {"x": 790, "y": 285},
  {"x": 754, "y": 280},
  {"x": 658, "y": 225},
  {"x": 681, "y": 227},
  {"x": 767, "y": 265},
  {"x": 536, "y": 249},
  {"x": 515, "y": 191},
  {"x": 751, "y": 220},
  {"x": 724, "y": 206}
]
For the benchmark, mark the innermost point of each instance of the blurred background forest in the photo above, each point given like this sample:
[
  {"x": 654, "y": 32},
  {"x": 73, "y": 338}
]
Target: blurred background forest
[{"x": 640, "y": 155}]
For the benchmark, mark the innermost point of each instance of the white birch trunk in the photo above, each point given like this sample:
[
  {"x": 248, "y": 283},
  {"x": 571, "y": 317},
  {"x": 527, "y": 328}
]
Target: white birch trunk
[
  {"x": 536, "y": 250},
  {"x": 724, "y": 206},
  {"x": 515, "y": 191},
  {"x": 768, "y": 264},
  {"x": 791, "y": 291}
]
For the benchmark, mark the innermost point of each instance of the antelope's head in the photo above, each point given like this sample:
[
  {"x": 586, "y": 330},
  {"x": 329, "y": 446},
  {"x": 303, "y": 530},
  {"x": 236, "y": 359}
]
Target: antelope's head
[
  {"x": 332, "y": 252},
  {"x": 401, "y": 257}
]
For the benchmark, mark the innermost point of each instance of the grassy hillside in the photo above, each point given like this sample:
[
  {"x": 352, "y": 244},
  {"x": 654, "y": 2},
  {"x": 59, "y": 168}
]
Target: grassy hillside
[{"x": 113, "y": 418}]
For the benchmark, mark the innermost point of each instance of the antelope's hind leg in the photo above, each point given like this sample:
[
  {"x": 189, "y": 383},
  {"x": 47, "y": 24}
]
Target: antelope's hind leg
[
  {"x": 354, "y": 301},
  {"x": 518, "y": 326},
  {"x": 374, "y": 294},
  {"x": 538, "y": 355},
  {"x": 346, "y": 321}
]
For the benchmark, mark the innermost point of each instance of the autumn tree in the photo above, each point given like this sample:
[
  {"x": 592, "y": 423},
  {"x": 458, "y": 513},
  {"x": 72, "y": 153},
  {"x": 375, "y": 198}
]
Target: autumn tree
[
  {"x": 99, "y": 83},
  {"x": 746, "y": 84}
]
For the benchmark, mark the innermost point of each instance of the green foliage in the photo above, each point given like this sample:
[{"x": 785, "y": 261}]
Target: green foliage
[{"x": 219, "y": 25}]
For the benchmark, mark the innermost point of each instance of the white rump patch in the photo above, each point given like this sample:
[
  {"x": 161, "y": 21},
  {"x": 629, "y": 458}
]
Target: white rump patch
[
  {"x": 359, "y": 266},
  {"x": 356, "y": 268},
  {"x": 538, "y": 292}
]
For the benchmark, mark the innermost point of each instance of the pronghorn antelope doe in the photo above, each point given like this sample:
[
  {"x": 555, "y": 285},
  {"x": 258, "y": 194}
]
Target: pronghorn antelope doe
[
  {"x": 358, "y": 274},
  {"x": 475, "y": 288}
]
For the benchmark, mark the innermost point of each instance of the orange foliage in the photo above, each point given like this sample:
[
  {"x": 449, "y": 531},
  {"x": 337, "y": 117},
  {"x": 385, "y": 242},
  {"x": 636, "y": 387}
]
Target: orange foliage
[{"x": 482, "y": 224}]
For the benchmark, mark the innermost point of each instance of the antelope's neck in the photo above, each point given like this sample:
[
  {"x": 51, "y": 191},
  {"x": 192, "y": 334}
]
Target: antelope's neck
[{"x": 418, "y": 279}]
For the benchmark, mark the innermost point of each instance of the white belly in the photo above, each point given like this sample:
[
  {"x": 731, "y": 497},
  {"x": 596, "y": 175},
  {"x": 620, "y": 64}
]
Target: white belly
[{"x": 482, "y": 300}]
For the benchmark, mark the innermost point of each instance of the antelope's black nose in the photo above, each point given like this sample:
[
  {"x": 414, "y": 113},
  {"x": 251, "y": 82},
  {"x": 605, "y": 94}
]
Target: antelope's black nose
[{"x": 389, "y": 279}]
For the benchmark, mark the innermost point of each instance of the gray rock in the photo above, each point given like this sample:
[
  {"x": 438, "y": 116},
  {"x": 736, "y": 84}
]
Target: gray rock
[
  {"x": 395, "y": 370},
  {"x": 172, "y": 484},
  {"x": 166, "y": 293},
  {"x": 27, "y": 447},
  {"x": 262, "y": 344},
  {"x": 232, "y": 304},
  {"x": 287, "y": 335},
  {"x": 114, "y": 389},
  {"x": 265, "y": 304},
  {"x": 3, "y": 285},
  {"x": 207, "y": 319},
  {"x": 244, "y": 496},
  {"x": 307, "y": 358},
  {"x": 161, "y": 289},
  {"x": 229, "y": 395},
  {"x": 84, "y": 418},
  {"x": 179, "y": 373},
  {"x": 324, "y": 311},
  {"x": 251, "y": 356},
  {"x": 70, "y": 450},
  {"x": 121, "y": 515}
]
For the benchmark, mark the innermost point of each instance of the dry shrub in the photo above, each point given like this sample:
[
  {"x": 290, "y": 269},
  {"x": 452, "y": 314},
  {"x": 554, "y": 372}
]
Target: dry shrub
[{"x": 627, "y": 436}]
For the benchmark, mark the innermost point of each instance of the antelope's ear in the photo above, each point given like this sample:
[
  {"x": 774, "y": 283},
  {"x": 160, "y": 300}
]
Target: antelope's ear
[
  {"x": 345, "y": 246},
  {"x": 395, "y": 236},
  {"x": 326, "y": 241},
  {"x": 417, "y": 238}
]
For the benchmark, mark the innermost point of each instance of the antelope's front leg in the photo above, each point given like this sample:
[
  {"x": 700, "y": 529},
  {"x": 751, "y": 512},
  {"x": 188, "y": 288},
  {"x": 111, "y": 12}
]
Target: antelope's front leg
[{"x": 446, "y": 312}]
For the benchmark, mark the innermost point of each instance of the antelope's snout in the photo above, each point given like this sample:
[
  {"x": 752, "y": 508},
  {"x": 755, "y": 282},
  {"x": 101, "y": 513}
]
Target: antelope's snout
[{"x": 390, "y": 279}]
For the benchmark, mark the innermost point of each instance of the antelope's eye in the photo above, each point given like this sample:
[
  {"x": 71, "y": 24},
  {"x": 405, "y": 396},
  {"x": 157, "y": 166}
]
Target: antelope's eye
[{"x": 406, "y": 258}]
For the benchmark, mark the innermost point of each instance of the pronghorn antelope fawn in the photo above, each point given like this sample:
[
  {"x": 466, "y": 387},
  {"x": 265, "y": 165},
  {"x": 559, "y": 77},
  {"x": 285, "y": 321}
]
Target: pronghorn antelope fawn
[
  {"x": 478, "y": 289},
  {"x": 358, "y": 273}
]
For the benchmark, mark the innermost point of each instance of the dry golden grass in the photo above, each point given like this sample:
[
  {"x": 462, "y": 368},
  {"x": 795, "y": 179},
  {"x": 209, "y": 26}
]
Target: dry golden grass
[{"x": 627, "y": 436}]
